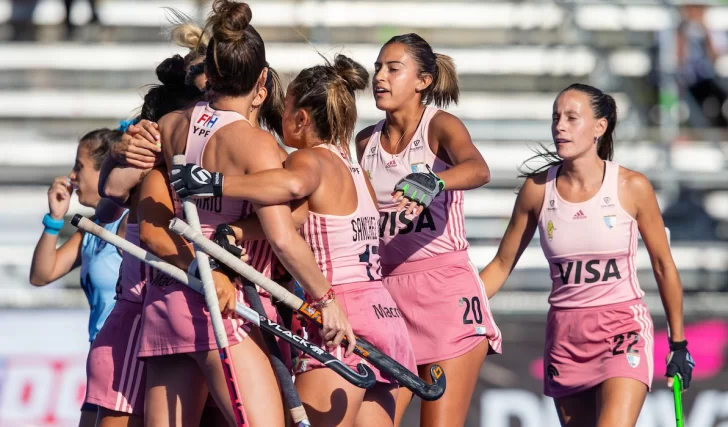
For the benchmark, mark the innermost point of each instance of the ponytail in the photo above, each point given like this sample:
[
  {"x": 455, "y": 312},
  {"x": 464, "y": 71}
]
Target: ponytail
[
  {"x": 186, "y": 33},
  {"x": 445, "y": 89},
  {"x": 607, "y": 107},
  {"x": 271, "y": 111},
  {"x": 328, "y": 92}
]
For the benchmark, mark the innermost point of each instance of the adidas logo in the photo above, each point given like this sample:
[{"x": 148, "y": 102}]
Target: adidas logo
[
  {"x": 579, "y": 215},
  {"x": 390, "y": 164}
]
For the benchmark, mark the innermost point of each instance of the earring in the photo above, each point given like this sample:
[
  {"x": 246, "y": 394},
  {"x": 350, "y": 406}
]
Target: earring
[
  {"x": 596, "y": 140},
  {"x": 299, "y": 125}
]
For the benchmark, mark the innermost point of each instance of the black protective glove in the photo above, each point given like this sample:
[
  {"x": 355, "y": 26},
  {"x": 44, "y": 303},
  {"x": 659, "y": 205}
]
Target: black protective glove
[
  {"x": 191, "y": 180},
  {"x": 221, "y": 238},
  {"x": 680, "y": 363}
]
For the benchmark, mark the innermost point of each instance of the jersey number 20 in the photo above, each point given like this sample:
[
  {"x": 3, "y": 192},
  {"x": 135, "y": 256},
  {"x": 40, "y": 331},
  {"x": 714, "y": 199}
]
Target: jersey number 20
[{"x": 473, "y": 303}]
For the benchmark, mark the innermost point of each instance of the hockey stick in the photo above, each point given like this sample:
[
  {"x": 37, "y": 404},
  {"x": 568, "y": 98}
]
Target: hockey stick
[
  {"x": 365, "y": 349},
  {"x": 365, "y": 378},
  {"x": 676, "y": 380},
  {"x": 213, "y": 306},
  {"x": 298, "y": 413},
  {"x": 677, "y": 397}
]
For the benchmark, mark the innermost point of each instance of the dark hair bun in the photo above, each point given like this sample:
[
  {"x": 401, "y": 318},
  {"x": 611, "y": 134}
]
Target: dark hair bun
[
  {"x": 171, "y": 71},
  {"x": 229, "y": 20}
]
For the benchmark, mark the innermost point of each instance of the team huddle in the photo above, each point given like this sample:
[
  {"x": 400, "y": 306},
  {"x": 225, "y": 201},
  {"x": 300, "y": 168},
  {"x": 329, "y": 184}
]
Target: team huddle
[{"x": 327, "y": 287}]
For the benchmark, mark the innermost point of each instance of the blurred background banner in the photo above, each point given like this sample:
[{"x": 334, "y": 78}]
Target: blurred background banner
[
  {"x": 43, "y": 355},
  {"x": 67, "y": 67}
]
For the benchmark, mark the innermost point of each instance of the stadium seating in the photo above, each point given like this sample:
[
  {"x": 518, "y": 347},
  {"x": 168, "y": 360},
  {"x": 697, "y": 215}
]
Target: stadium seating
[{"x": 512, "y": 58}]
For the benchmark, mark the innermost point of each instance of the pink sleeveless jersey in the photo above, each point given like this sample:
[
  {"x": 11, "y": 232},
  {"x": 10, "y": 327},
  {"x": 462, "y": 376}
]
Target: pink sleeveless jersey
[
  {"x": 590, "y": 246},
  {"x": 346, "y": 247},
  {"x": 134, "y": 273},
  {"x": 204, "y": 122},
  {"x": 440, "y": 229}
]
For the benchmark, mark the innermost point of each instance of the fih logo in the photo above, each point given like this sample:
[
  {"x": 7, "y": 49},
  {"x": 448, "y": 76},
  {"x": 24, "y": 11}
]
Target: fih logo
[
  {"x": 207, "y": 120},
  {"x": 201, "y": 176}
]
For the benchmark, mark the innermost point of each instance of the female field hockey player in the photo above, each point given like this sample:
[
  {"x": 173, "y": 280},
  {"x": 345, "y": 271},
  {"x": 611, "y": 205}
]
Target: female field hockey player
[
  {"x": 99, "y": 261},
  {"x": 236, "y": 69},
  {"x": 116, "y": 376},
  {"x": 341, "y": 229},
  {"x": 598, "y": 359},
  {"x": 425, "y": 263}
]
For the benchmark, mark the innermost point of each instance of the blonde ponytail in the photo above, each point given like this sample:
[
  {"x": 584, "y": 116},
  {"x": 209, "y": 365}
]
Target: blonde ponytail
[{"x": 445, "y": 89}]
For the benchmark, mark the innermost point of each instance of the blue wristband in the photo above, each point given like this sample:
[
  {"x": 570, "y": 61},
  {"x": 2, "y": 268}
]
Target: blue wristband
[{"x": 52, "y": 226}]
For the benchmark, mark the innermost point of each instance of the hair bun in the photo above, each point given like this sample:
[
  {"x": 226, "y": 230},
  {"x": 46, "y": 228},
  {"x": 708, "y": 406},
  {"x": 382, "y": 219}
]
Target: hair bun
[
  {"x": 171, "y": 72},
  {"x": 355, "y": 76},
  {"x": 229, "y": 20}
]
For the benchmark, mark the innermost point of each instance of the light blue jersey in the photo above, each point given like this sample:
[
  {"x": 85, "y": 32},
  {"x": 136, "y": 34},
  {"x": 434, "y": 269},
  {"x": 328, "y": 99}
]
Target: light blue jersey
[{"x": 100, "y": 267}]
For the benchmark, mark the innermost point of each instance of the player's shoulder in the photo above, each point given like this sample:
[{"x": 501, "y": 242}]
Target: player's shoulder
[
  {"x": 241, "y": 135},
  {"x": 362, "y": 138},
  {"x": 536, "y": 180},
  {"x": 636, "y": 183},
  {"x": 533, "y": 191},
  {"x": 306, "y": 156},
  {"x": 174, "y": 118},
  {"x": 444, "y": 120}
]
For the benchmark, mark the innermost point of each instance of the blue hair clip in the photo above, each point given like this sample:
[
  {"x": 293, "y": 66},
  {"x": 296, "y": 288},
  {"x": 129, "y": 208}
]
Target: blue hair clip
[{"x": 124, "y": 124}]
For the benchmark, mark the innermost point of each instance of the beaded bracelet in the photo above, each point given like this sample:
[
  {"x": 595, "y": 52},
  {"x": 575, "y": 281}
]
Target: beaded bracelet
[{"x": 326, "y": 299}]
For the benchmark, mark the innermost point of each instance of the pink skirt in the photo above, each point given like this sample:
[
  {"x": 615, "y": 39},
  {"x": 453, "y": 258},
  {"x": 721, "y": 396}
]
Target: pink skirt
[
  {"x": 176, "y": 320},
  {"x": 586, "y": 346},
  {"x": 443, "y": 303},
  {"x": 375, "y": 317},
  {"x": 115, "y": 376}
]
